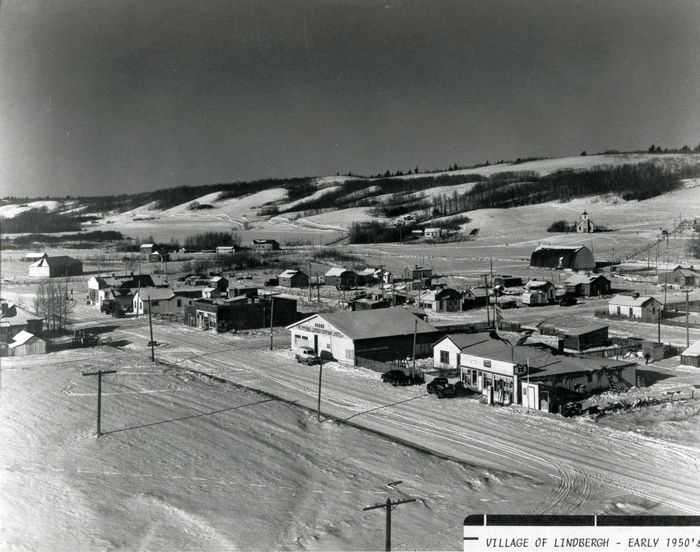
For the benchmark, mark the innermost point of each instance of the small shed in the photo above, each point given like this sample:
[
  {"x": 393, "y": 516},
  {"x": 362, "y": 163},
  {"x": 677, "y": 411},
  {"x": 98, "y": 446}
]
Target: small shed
[
  {"x": 147, "y": 248},
  {"x": 543, "y": 286},
  {"x": 340, "y": 277},
  {"x": 25, "y": 343},
  {"x": 293, "y": 278},
  {"x": 691, "y": 356}
]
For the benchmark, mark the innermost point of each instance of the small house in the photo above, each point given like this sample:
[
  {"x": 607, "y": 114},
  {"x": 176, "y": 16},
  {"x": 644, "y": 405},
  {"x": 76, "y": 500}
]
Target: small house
[
  {"x": 475, "y": 298},
  {"x": 588, "y": 285},
  {"x": 14, "y": 319},
  {"x": 547, "y": 288},
  {"x": 644, "y": 308},
  {"x": 219, "y": 283},
  {"x": 340, "y": 277},
  {"x": 432, "y": 233},
  {"x": 33, "y": 257},
  {"x": 686, "y": 277},
  {"x": 262, "y": 245},
  {"x": 508, "y": 281},
  {"x": 162, "y": 301},
  {"x": 225, "y": 250},
  {"x": 293, "y": 278},
  {"x": 441, "y": 300},
  {"x": 534, "y": 298},
  {"x": 158, "y": 257},
  {"x": 146, "y": 249}
]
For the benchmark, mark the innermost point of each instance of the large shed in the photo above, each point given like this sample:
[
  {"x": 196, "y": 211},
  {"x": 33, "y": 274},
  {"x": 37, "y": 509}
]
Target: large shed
[
  {"x": 25, "y": 343},
  {"x": 293, "y": 278},
  {"x": 381, "y": 334},
  {"x": 571, "y": 257},
  {"x": 691, "y": 356},
  {"x": 57, "y": 266}
]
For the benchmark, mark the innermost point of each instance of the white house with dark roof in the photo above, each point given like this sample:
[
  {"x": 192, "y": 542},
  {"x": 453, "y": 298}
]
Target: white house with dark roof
[
  {"x": 644, "y": 308},
  {"x": 162, "y": 301},
  {"x": 382, "y": 334}
]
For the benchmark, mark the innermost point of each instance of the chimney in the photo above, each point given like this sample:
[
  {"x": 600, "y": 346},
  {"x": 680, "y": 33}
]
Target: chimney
[{"x": 636, "y": 295}]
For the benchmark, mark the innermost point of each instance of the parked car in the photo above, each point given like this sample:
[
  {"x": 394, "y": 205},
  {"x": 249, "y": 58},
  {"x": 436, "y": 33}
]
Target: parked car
[
  {"x": 567, "y": 300},
  {"x": 442, "y": 388},
  {"x": 434, "y": 384},
  {"x": 306, "y": 355},
  {"x": 396, "y": 377}
]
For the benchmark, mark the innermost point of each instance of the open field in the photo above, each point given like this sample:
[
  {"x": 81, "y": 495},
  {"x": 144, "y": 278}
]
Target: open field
[{"x": 180, "y": 465}]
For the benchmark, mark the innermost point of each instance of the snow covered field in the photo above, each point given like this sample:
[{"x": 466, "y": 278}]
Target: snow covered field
[{"x": 190, "y": 462}]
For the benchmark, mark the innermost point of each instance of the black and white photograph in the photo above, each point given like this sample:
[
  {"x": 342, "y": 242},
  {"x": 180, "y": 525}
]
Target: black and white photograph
[{"x": 349, "y": 275}]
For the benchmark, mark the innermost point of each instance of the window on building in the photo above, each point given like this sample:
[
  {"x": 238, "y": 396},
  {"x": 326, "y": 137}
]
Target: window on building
[
  {"x": 179, "y": 303},
  {"x": 487, "y": 364},
  {"x": 618, "y": 311},
  {"x": 328, "y": 346},
  {"x": 630, "y": 311},
  {"x": 319, "y": 325},
  {"x": 589, "y": 377},
  {"x": 349, "y": 354},
  {"x": 154, "y": 303},
  {"x": 444, "y": 357}
]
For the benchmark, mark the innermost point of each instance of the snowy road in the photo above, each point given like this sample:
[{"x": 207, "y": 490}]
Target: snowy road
[{"x": 576, "y": 453}]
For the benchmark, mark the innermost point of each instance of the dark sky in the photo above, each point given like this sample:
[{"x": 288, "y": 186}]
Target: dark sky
[{"x": 105, "y": 96}]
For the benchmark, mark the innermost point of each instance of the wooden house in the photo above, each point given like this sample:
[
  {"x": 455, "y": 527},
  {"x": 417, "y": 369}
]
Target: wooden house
[
  {"x": 588, "y": 285},
  {"x": 293, "y": 278},
  {"x": 643, "y": 308}
]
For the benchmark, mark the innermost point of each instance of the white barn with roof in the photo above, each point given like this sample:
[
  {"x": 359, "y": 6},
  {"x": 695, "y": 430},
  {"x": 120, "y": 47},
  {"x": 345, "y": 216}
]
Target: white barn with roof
[{"x": 644, "y": 308}]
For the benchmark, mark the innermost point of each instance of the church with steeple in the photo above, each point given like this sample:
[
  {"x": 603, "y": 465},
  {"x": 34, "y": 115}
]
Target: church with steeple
[{"x": 584, "y": 225}]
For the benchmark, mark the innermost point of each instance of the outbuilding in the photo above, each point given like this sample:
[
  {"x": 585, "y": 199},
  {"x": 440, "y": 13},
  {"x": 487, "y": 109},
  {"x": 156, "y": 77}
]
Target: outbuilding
[
  {"x": 571, "y": 257},
  {"x": 543, "y": 286},
  {"x": 382, "y": 334},
  {"x": 262, "y": 245},
  {"x": 441, "y": 300},
  {"x": 14, "y": 319},
  {"x": 691, "y": 356},
  {"x": 25, "y": 343}
]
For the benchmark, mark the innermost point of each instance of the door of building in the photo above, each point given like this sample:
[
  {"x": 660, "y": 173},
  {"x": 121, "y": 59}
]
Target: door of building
[
  {"x": 316, "y": 344},
  {"x": 531, "y": 397}
]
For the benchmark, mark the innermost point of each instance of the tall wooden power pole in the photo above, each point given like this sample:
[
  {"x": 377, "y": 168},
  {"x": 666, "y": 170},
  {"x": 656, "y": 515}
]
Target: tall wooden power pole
[
  {"x": 388, "y": 506},
  {"x": 150, "y": 329},
  {"x": 99, "y": 374}
]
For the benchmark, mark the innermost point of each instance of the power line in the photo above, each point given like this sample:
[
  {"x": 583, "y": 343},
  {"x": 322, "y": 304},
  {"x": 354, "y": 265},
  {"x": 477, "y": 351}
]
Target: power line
[{"x": 388, "y": 506}]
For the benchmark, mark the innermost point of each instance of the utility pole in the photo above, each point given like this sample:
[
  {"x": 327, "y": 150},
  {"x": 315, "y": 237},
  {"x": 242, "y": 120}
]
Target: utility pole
[
  {"x": 309, "y": 281},
  {"x": 687, "y": 327},
  {"x": 415, "y": 334},
  {"x": 272, "y": 311},
  {"x": 488, "y": 306},
  {"x": 150, "y": 329},
  {"x": 318, "y": 403},
  {"x": 658, "y": 330},
  {"x": 388, "y": 506},
  {"x": 99, "y": 374}
]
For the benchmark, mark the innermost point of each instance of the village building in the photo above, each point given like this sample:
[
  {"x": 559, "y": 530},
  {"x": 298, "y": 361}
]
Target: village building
[
  {"x": 367, "y": 303},
  {"x": 381, "y": 334},
  {"x": 584, "y": 225},
  {"x": 534, "y": 298},
  {"x": 242, "y": 313},
  {"x": 588, "y": 285},
  {"x": 507, "y": 373},
  {"x": 475, "y": 298},
  {"x": 508, "y": 281},
  {"x": 441, "y": 300},
  {"x": 572, "y": 257},
  {"x": 55, "y": 267},
  {"x": 14, "y": 319},
  {"x": 684, "y": 277},
  {"x": 432, "y": 233},
  {"x": 210, "y": 293},
  {"x": 691, "y": 356},
  {"x": 547, "y": 288},
  {"x": 340, "y": 277},
  {"x": 196, "y": 280},
  {"x": 163, "y": 301},
  {"x": 572, "y": 334},
  {"x": 366, "y": 277},
  {"x": 293, "y": 278},
  {"x": 644, "y": 308},
  {"x": 101, "y": 288},
  {"x": 33, "y": 257},
  {"x": 262, "y": 245},
  {"x": 146, "y": 249},
  {"x": 158, "y": 257},
  {"x": 219, "y": 283},
  {"x": 25, "y": 343},
  {"x": 421, "y": 277},
  {"x": 225, "y": 250}
]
